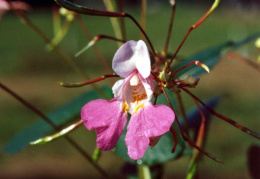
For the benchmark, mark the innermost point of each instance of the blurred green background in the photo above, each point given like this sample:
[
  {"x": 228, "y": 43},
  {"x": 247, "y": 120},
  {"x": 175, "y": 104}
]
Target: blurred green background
[{"x": 32, "y": 72}]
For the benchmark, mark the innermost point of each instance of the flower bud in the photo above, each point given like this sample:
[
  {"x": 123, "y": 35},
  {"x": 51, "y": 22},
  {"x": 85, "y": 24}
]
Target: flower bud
[{"x": 191, "y": 81}]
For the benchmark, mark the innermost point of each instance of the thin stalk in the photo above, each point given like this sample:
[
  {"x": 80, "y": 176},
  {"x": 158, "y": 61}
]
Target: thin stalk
[
  {"x": 175, "y": 137},
  {"x": 199, "y": 142},
  {"x": 197, "y": 24},
  {"x": 56, "y": 19},
  {"x": 143, "y": 18},
  {"x": 95, "y": 40},
  {"x": 57, "y": 135},
  {"x": 248, "y": 62},
  {"x": 144, "y": 172},
  {"x": 122, "y": 20},
  {"x": 185, "y": 137},
  {"x": 96, "y": 154},
  {"x": 79, "y": 84},
  {"x": 183, "y": 113},
  {"x": 228, "y": 120},
  {"x": 96, "y": 12},
  {"x": 169, "y": 30},
  {"x": 101, "y": 59},
  {"x": 114, "y": 22},
  {"x": 59, "y": 35},
  {"x": 46, "y": 119}
]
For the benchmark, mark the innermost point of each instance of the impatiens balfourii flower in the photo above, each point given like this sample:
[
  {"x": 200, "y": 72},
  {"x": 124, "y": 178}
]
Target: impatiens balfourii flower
[
  {"x": 132, "y": 95},
  {"x": 16, "y": 5}
]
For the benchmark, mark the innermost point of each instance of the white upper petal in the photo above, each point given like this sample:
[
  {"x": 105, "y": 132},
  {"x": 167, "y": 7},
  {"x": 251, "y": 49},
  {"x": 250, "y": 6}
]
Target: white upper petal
[
  {"x": 117, "y": 89},
  {"x": 132, "y": 56},
  {"x": 148, "y": 84}
]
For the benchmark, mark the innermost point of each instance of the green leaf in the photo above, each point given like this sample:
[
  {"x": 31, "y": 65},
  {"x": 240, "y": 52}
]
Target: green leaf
[
  {"x": 209, "y": 57},
  {"x": 63, "y": 115},
  {"x": 161, "y": 152}
]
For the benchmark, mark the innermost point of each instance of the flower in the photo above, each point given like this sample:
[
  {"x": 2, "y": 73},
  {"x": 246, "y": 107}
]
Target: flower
[
  {"x": 16, "y": 5},
  {"x": 132, "y": 95}
]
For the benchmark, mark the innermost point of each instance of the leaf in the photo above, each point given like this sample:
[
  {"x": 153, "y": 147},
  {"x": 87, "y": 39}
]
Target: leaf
[
  {"x": 209, "y": 57},
  {"x": 162, "y": 151},
  {"x": 60, "y": 116}
]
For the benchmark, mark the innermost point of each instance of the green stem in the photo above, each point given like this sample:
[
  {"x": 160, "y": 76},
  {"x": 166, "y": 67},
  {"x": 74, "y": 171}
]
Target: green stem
[
  {"x": 96, "y": 154},
  {"x": 122, "y": 21},
  {"x": 114, "y": 22},
  {"x": 144, "y": 172},
  {"x": 192, "y": 170},
  {"x": 143, "y": 18}
]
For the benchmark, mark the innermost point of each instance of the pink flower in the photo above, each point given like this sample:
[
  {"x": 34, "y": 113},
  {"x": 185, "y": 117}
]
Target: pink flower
[
  {"x": 131, "y": 95},
  {"x": 5, "y": 6}
]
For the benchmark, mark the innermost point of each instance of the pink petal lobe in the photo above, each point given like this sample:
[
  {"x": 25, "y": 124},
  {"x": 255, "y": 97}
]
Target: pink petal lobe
[
  {"x": 149, "y": 122},
  {"x": 107, "y": 118}
]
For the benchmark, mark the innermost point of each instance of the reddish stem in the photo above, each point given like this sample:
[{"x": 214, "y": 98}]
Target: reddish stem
[
  {"x": 185, "y": 137},
  {"x": 79, "y": 84},
  {"x": 230, "y": 121},
  {"x": 96, "y": 12},
  {"x": 175, "y": 137},
  {"x": 178, "y": 49},
  {"x": 122, "y": 21},
  {"x": 169, "y": 30}
]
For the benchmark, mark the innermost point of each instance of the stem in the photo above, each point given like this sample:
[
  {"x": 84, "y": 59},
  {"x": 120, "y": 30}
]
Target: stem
[
  {"x": 59, "y": 35},
  {"x": 196, "y": 62},
  {"x": 122, "y": 21},
  {"x": 228, "y": 120},
  {"x": 79, "y": 84},
  {"x": 197, "y": 24},
  {"x": 93, "y": 42},
  {"x": 175, "y": 137},
  {"x": 96, "y": 154},
  {"x": 185, "y": 137},
  {"x": 57, "y": 135},
  {"x": 46, "y": 119},
  {"x": 200, "y": 138},
  {"x": 101, "y": 59},
  {"x": 56, "y": 19},
  {"x": 183, "y": 113},
  {"x": 113, "y": 21},
  {"x": 143, "y": 18},
  {"x": 144, "y": 172},
  {"x": 169, "y": 30},
  {"x": 96, "y": 12},
  {"x": 251, "y": 63}
]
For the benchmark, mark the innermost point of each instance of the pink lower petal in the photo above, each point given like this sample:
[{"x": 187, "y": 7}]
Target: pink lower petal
[
  {"x": 107, "y": 118},
  {"x": 149, "y": 122}
]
